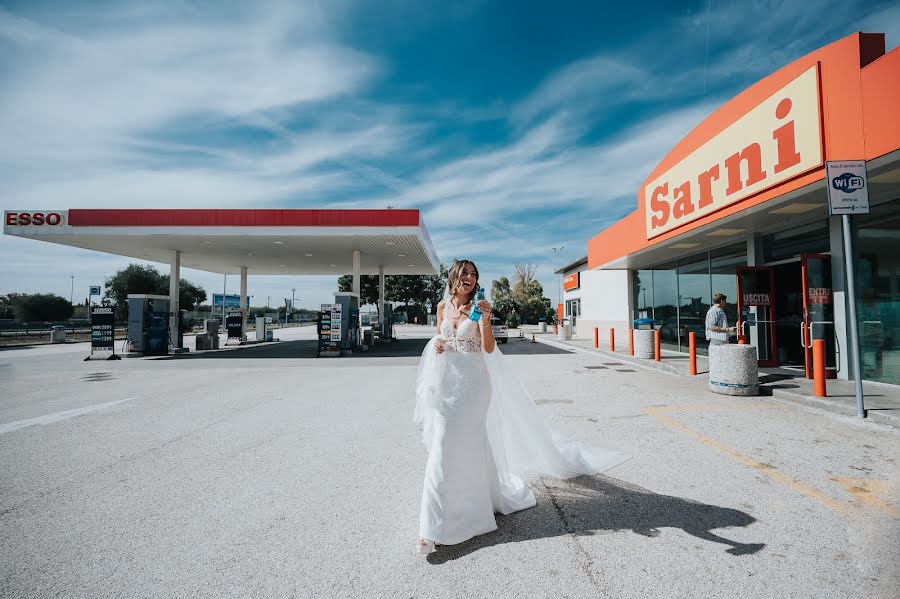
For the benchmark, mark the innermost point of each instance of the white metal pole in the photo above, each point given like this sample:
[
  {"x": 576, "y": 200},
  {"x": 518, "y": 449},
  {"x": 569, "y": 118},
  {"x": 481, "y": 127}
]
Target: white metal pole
[
  {"x": 224, "y": 287},
  {"x": 293, "y": 290},
  {"x": 849, "y": 260},
  {"x": 357, "y": 257},
  {"x": 72, "y": 292},
  {"x": 174, "y": 297},
  {"x": 243, "y": 303},
  {"x": 381, "y": 300}
]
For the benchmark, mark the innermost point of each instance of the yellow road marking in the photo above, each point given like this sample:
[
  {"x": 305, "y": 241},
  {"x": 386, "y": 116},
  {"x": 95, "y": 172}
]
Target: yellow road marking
[
  {"x": 766, "y": 470},
  {"x": 727, "y": 407},
  {"x": 870, "y": 492}
]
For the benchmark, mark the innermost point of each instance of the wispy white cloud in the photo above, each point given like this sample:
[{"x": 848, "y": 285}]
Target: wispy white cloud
[
  {"x": 74, "y": 104},
  {"x": 153, "y": 104}
]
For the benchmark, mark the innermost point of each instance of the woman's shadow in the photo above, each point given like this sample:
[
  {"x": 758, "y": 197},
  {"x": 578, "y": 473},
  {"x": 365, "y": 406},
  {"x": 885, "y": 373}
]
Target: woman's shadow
[{"x": 588, "y": 504}]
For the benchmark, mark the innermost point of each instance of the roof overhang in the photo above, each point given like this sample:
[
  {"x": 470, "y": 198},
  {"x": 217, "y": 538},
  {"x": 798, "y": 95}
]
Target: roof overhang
[
  {"x": 802, "y": 206},
  {"x": 571, "y": 266},
  {"x": 269, "y": 242}
]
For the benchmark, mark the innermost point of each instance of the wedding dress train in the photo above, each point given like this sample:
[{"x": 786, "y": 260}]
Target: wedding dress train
[{"x": 485, "y": 438}]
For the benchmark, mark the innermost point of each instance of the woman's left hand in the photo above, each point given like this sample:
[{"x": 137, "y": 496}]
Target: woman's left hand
[{"x": 485, "y": 308}]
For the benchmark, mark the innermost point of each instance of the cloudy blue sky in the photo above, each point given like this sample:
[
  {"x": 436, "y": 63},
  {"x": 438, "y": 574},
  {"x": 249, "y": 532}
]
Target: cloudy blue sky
[{"x": 515, "y": 126}]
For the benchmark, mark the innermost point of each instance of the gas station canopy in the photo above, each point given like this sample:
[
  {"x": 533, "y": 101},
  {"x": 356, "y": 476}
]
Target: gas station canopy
[{"x": 264, "y": 242}]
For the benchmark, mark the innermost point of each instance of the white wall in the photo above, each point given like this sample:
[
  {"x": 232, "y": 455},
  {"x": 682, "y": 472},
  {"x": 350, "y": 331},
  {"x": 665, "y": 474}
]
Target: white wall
[{"x": 605, "y": 303}]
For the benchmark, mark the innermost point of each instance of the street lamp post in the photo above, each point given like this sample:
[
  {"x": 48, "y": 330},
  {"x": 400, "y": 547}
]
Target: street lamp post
[
  {"x": 292, "y": 300},
  {"x": 556, "y": 252},
  {"x": 72, "y": 292}
]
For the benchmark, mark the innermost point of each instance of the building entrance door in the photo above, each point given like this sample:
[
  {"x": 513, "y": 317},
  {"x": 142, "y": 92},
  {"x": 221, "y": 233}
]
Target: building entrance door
[
  {"x": 756, "y": 311},
  {"x": 818, "y": 311},
  {"x": 790, "y": 347}
]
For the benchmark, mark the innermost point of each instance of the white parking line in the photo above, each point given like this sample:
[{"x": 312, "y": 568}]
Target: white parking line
[{"x": 57, "y": 416}]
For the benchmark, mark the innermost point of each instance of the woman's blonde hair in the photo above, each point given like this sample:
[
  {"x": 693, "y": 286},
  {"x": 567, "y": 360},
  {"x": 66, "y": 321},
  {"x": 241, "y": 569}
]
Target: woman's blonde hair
[{"x": 453, "y": 277}]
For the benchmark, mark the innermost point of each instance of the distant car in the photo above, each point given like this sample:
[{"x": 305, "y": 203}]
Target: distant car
[{"x": 501, "y": 332}]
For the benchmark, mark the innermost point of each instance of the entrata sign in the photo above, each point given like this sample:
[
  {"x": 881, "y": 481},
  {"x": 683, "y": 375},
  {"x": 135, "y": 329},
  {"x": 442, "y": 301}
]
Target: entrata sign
[
  {"x": 778, "y": 139},
  {"x": 37, "y": 219},
  {"x": 820, "y": 295}
]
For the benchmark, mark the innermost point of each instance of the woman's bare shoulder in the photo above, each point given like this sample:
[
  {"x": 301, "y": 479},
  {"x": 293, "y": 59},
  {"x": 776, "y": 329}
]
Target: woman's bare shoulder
[{"x": 440, "y": 306}]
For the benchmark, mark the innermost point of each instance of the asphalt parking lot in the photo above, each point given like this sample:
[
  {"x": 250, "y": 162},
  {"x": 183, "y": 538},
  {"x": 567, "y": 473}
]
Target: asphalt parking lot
[{"x": 265, "y": 472}]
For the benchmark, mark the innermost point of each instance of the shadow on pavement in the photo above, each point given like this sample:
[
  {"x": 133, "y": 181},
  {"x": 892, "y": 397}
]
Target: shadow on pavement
[
  {"x": 588, "y": 505},
  {"x": 307, "y": 349}
]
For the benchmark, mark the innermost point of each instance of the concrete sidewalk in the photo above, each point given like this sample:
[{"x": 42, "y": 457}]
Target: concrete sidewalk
[{"x": 882, "y": 401}]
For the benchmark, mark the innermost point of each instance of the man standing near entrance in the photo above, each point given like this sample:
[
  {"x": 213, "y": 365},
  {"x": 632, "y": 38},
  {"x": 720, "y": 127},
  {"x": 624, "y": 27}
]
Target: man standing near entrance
[{"x": 717, "y": 328}]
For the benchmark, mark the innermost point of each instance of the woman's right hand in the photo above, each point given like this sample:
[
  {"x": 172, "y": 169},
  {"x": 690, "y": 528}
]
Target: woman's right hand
[{"x": 439, "y": 346}]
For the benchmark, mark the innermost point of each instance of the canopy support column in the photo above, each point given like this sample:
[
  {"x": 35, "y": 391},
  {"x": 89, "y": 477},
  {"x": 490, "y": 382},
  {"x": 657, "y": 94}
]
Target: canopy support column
[
  {"x": 174, "y": 297},
  {"x": 356, "y": 267},
  {"x": 381, "y": 301},
  {"x": 244, "y": 305}
]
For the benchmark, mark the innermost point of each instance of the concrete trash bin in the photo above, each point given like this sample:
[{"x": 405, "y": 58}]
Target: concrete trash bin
[
  {"x": 565, "y": 330},
  {"x": 542, "y": 327},
  {"x": 644, "y": 323},
  {"x": 269, "y": 335},
  {"x": 733, "y": 370},
  {"x": 202, "y": 341},
  {"x": 644, "y": 344},
  {"x": 57, "y": 334}
]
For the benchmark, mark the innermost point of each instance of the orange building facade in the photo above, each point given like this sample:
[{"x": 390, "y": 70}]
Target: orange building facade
[{"x": 740, "y": 207}]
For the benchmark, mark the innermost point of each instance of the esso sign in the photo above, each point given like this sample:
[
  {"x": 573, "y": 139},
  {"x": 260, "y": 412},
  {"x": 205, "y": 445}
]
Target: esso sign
[{"x": 33, "y": 218}]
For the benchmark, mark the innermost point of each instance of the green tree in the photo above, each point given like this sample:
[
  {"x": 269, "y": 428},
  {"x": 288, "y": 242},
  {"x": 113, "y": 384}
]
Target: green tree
[
  {"x": 137, "y": 278},
  {"x": 406, "y": 289},
  {"x": 43, "y": 307},
  {"x": 528, "y": 295},
  {"x": 190, "y": 296},
  {"x": 8, "y": 304},
  {"x": 434, "y": 288},
  {"x": 368, "y": 287},
  {"x": 502, "y": 303}
]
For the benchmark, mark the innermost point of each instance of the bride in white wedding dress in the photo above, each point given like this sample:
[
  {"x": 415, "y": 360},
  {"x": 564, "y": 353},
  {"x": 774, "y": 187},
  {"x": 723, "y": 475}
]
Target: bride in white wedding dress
[{"x": 485, "y": 438}]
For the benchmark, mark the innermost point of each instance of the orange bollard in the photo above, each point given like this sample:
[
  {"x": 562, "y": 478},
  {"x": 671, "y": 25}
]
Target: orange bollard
[
  {"x": 742, "y": 341},
  {"x": 612, "y": 340},
  {"x": 692, "y": 349},
  {"x": 657, "y": 345},
  {"x": 596, "y": 338},
  {"x": 818, "y": 350},
  {"x": 631, "y": 341}
]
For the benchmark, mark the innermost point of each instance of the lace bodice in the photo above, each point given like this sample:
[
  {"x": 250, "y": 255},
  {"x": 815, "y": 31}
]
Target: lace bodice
[{"x": 466, "y": 337}]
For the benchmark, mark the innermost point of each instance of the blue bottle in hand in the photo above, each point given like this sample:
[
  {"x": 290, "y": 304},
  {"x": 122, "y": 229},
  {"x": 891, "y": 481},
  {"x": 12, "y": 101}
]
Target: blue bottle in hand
[{"x": 475, "y": 313}]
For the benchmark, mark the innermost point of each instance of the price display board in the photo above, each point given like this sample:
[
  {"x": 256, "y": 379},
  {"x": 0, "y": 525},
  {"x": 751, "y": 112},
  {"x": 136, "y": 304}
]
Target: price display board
[
  {"x": 329, "y": 330},
  {"x": 234, "y": 325},
  {"x": 103, "y": 337},
  {"x": 102, "y": 323}
]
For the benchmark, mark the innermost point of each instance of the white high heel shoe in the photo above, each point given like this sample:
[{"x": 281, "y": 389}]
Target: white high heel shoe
[{"x": 427, "y": 548}]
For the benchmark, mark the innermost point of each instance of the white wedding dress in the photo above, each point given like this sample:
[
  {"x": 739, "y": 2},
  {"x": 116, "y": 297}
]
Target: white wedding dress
[{"x": 485, "y": 439}]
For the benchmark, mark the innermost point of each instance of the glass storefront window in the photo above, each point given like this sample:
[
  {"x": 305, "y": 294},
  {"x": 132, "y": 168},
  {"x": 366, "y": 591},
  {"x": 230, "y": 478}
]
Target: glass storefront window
[
  {"x": 679, "y": 294},
  {"x": 723, "y": 265},
  {"x": 642, "y": 291},
  {"x": 695, "y": 296},
  {"x": 878, "y": 292},
  {"x": 812, "y": 238},
  {"x": 665, "y": 304},
  {"x": 573, "y": 309}
]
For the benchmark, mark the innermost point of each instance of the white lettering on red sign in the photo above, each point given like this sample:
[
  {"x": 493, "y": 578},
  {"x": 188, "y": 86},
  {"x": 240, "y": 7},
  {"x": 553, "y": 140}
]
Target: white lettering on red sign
[
  {"x": 820, "y": 295},
  {"x": 33, "y": 218},
  {"x": 778, "y": 139},
  {"x": 756, "y": 299}
]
